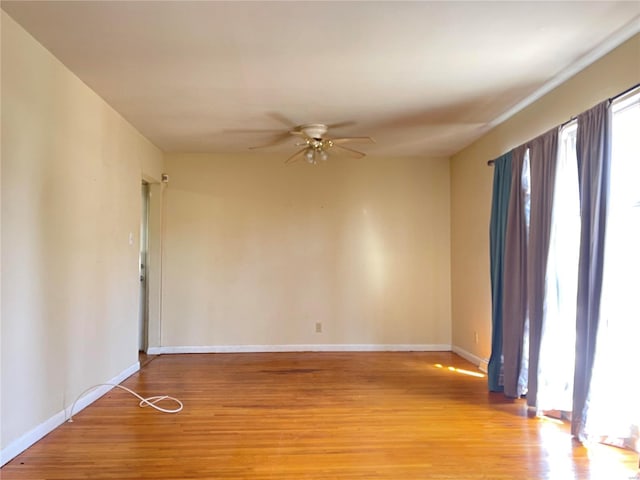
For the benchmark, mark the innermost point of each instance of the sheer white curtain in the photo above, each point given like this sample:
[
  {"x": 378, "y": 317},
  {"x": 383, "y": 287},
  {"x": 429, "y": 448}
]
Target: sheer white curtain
[
  {"x": 525, "y": 179},
  {"x": 557, "y": 355},
  {"x": 614, "y": 401}
]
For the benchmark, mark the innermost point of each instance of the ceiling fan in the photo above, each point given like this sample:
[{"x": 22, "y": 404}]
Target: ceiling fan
[{"x": 315, "y": 143}]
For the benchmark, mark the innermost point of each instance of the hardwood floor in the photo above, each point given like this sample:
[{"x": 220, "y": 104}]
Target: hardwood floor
[{"x": 289, "y": 416}]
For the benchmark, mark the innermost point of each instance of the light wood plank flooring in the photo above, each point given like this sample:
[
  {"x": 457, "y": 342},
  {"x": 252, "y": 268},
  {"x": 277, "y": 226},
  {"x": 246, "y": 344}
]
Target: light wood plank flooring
[{"x": 293, "y": 416}]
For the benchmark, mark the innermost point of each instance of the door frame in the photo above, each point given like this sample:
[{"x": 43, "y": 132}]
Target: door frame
[
  {"x": 143, "y": 270},
  {"x": 154, "y": 262}
]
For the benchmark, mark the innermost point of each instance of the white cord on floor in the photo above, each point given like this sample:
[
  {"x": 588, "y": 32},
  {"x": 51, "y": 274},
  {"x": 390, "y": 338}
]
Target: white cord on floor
[{"x": 149, "y": 401}]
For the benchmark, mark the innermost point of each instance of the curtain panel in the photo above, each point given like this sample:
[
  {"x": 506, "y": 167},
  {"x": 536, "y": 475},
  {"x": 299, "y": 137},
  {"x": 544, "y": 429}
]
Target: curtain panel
[
  {"x": 497, "y": 227},
  {"x": 543, "y": 155},
  {"x": 593, "y": 155},
  {"x": 514, "y": 299}
]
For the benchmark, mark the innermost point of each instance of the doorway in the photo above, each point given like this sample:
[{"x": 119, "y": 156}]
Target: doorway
[{"x": 143, "y": 311}]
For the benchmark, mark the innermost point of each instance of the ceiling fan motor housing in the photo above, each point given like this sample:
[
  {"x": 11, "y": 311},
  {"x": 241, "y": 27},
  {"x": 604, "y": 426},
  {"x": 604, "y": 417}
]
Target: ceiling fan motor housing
[{"x": 314, "y": 130}]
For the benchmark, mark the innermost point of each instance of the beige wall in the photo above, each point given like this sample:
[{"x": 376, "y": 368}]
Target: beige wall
[
  {"x": 256, "y": 252},
  {"x": 71, "y": 172},
  {"x": 471, "y": 183}
]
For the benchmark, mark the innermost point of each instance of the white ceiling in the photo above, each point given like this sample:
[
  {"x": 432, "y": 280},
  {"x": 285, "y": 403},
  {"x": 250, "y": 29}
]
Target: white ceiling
[{"x": 422, "y": 78}]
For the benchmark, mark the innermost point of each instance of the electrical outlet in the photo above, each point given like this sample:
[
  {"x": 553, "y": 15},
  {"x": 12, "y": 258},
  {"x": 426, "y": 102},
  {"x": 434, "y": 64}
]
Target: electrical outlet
[
  {"x": 318, "y": 327},
  {"x": 475, "y": 336}
]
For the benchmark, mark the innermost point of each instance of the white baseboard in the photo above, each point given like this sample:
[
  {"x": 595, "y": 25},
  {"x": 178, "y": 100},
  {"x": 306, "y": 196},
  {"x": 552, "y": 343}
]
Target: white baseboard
[
  {"x": 481, "y": 363},
  {"x": 19, "y": 445},
  {"x": 301, "y": 348}
]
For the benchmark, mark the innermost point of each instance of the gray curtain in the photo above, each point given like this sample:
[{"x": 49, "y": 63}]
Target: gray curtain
[
  {"x": 497, "y": 227},
  {"x": 543, "y": 156},
  {"x": 514, "y": 306},
  {"x": 593, "y": 171}
]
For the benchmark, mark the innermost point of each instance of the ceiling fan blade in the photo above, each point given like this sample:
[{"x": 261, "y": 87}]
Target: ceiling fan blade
[
  {"x": 351, "y": 151},
  {"x": 277, "y": 140},
  {"x": 291, "y": 125},
  {"x": 251, "y": 130},
  {"x": 341, "y": 124},
  {"x": 297, "y": 154},
  {"x": 353, "y": 139}
]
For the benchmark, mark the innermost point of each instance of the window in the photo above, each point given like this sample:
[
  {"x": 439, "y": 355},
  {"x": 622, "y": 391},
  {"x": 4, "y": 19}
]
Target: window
[
  {"x": 610, "y": 409},
  {"x": 615, "y": 391},
  {"x": 557, "y": 355}
]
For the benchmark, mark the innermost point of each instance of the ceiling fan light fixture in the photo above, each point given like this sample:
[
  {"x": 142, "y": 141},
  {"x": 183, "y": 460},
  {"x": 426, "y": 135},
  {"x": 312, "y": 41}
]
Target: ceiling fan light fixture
[
  {"x": 315, "y": 153},
  {"x": 310, "y": 155}
]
